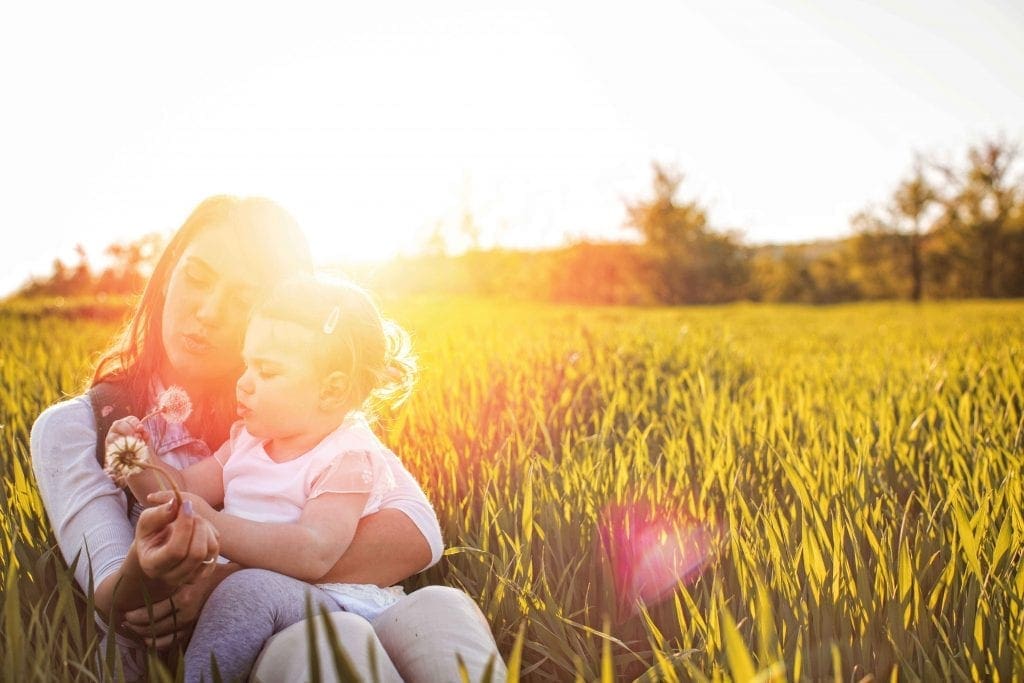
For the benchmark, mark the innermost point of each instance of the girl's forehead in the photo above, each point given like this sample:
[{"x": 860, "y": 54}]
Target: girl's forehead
[{"x": 279, "y": 336}]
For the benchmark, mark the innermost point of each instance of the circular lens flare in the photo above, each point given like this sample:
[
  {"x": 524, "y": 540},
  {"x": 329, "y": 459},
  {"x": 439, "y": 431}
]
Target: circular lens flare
[{"x": 651, "y": 550}]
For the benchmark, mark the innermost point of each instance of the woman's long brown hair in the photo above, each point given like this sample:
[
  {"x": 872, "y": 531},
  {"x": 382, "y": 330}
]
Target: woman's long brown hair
[{"x": 268, "y": 238}]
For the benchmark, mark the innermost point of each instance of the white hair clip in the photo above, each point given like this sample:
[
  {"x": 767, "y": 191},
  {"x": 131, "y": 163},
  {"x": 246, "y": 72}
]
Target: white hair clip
[{"x": 332, "y": 320}]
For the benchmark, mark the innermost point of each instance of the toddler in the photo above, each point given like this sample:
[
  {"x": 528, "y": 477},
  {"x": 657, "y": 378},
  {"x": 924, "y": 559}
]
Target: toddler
[{"x": 302, "y": 465}]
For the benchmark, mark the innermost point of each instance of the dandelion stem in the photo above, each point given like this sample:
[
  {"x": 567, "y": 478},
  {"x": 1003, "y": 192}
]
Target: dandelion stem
[{"x": 163, "y": 476}]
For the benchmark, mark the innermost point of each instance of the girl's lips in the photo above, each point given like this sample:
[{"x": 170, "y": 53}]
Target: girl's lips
[{"x": 243, "y": 411}]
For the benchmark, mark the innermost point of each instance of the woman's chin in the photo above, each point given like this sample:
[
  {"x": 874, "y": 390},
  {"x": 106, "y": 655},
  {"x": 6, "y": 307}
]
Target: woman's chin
[{"x": 198, "y": 369}]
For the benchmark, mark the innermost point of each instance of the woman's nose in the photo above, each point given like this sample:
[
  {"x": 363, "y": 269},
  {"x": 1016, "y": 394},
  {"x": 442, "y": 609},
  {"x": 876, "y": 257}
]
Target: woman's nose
[{"x": 211, "y": 309}]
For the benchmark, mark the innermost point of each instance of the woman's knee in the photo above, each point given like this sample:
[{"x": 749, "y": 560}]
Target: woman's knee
[
  {"x": 433, "y": 607},
  {"x": 440, "y": 598},
  {"x": 286, "y": 656}
]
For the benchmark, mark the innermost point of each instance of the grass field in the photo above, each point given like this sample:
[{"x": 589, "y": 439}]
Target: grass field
[{"x": 796, "y": 493}]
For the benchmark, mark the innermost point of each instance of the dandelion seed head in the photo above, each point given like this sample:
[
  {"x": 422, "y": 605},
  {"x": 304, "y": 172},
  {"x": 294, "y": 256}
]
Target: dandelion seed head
[
  {"x": 174, "y": 404},
  {"x": 124, "y": 458}
]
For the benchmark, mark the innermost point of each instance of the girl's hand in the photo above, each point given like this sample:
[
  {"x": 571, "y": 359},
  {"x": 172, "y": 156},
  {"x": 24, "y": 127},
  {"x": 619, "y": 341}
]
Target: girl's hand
[
  {"x": 175, "y": 545},
  {"x": 127, "y": 426}
]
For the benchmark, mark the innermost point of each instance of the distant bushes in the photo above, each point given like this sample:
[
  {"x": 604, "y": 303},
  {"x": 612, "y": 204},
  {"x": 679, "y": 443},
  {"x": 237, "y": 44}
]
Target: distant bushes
[{"x": 100, "y": 307}]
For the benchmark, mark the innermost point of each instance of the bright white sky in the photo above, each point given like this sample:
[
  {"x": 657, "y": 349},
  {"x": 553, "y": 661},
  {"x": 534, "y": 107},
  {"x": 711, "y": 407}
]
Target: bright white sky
[{"x": 374, "y": 122}]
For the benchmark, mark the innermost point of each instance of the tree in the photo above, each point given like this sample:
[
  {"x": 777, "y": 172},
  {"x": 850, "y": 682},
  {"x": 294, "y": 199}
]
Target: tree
[
  {"x": 890, "y": 241},
  {"x": 692, "y": 263},
  {"x": 131, "y": 265},
  {"x": 982, "y": 208},
  {"x": 913, "y": 201}
]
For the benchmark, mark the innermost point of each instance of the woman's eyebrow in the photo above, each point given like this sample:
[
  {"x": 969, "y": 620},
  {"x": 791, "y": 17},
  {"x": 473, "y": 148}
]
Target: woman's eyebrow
[
  {"x": 247, "y": 288},
  {"x": 196, "y": 261}
]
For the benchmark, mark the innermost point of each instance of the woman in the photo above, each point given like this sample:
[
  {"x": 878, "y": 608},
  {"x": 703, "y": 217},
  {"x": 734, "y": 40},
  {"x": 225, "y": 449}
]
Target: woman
[{"x": 187, "y": 330}]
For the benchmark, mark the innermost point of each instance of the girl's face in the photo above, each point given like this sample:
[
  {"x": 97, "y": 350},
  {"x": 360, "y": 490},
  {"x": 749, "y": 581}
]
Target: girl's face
[
  {"x": 279, "y": 392},
  {"x": 209, "y": 294}
]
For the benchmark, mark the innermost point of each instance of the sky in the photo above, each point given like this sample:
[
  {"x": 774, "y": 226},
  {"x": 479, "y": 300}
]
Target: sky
[{"x": 377, "y": 124}]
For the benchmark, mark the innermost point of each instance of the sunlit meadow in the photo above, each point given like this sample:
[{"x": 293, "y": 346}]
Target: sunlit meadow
[{"x": 729, "y": 493}]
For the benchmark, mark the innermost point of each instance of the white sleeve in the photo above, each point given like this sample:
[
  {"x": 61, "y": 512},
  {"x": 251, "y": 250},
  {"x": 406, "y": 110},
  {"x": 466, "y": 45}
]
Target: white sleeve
[
  {"x": 408, "y": 497},
  {"x": 87, "y": 511}
]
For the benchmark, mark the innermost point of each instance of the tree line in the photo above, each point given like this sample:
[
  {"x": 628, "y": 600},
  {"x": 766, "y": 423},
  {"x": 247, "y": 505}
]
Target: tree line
[{"x": 947, "y": 230}]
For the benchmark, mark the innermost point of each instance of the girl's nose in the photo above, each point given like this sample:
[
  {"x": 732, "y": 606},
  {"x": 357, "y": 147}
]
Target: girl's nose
[{"x": 244, "y": 385}]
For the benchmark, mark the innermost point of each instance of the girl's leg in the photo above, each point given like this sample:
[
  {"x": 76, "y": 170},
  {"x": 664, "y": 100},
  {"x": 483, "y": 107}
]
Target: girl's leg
[
  {"x": 426, "y": 630},
  {"x": 240, "y": 615}
]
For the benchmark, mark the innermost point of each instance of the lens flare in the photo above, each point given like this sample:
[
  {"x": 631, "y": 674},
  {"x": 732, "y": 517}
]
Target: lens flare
[{"x": 651, "y": 551}]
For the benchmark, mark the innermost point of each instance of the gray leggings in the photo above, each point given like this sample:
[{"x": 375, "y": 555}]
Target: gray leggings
[{"x": 240, "y": 616}]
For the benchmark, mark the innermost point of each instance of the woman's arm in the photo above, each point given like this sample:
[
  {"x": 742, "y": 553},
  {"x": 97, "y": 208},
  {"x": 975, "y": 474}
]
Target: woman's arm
[
  {"x": 88, "y": 512},
  {"x": 404, "y": 538},
  {"x": 388, "y": 548}
]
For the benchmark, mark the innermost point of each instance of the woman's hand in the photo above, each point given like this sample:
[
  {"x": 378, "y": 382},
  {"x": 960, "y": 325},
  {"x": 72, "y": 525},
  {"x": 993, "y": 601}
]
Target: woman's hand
[
  {"x": 198, "y": 505},
  {"x": 174, "y": 545},
  {"x": 172, "y": 619}
]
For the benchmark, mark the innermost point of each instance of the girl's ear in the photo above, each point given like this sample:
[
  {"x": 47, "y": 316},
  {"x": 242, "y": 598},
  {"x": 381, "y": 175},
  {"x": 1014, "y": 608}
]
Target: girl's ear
[{"x": 334, "y": 390}]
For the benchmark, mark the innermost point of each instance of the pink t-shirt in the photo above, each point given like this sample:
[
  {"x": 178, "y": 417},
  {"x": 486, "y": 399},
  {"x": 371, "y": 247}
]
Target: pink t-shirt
[{"x": 348, "y": 460}]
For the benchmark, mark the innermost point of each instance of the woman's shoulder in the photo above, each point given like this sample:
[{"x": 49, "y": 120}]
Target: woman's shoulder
[
  {"x": 74, "y": 414},
  {"x": 67, "y": 425}
]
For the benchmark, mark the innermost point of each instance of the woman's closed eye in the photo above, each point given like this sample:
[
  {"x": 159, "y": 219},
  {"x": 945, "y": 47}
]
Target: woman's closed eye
[{"x": 197, "y": 279}]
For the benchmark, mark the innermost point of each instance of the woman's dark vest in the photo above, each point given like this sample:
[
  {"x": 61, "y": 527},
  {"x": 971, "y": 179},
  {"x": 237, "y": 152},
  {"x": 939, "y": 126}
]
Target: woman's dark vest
[{"x": 110, "y": 401}]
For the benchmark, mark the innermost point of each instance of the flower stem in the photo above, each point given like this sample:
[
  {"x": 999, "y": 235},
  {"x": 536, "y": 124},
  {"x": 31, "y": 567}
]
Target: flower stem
[{"x": 163, "y": 476}]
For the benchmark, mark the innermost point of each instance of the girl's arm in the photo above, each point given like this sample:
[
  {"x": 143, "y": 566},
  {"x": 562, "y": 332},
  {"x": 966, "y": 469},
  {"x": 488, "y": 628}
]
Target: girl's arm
[
  {"x": 205, "y": 478},
  {"x": 305, "y": 549}
]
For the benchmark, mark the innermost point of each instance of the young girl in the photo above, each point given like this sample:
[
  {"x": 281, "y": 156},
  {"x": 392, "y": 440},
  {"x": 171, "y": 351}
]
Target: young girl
[{"x": 302, "y": 465}]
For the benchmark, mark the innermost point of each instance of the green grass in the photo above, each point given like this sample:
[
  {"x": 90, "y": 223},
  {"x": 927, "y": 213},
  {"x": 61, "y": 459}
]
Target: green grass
[{"x": 852, "y": 473}]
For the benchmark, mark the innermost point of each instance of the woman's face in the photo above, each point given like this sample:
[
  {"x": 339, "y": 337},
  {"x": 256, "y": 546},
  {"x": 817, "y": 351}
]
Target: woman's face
[{"x": 209, "y": 294}]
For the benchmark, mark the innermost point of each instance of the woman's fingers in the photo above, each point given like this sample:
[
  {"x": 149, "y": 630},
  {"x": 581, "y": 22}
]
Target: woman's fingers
[
  {"x": 154, "y": 520},
  {"x": 159, "y": 497},
  {"x": 156, "y": 612},
  {"x": 164, "y": 545},
  {"x": 206, "y": 547},
  {"x": 177, "y": 556},
  {"x": 169, "y": 625},
  {"x": 176, "y": 542},
  {"x": 164, "y": 642}
]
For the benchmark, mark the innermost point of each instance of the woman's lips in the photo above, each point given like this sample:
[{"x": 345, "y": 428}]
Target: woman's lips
[{"x": 197, "y": 343}]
